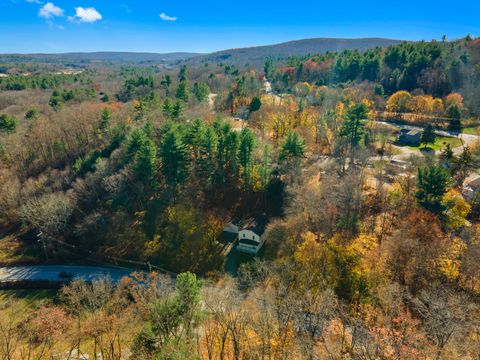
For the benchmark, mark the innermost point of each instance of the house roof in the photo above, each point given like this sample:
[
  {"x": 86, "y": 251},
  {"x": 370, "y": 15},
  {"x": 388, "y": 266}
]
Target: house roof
[
  {"x": 257, "y": 225},
  {"x": 414, "y": 132},
  {"x": 227, "y": 237},
  {"x": 475, "y": 183}
]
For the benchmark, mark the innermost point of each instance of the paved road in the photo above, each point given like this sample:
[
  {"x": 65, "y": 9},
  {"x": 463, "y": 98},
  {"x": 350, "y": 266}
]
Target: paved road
[{"x": 51, "y": 273}]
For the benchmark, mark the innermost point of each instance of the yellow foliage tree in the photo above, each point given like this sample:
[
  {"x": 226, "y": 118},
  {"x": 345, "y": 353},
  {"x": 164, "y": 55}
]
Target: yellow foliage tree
[
  {"x": 437, "y": 107},
  {"x": 399, "y": 101},
  {"x": 449, "y": 263},
  {"x": 458, "y": 209}
]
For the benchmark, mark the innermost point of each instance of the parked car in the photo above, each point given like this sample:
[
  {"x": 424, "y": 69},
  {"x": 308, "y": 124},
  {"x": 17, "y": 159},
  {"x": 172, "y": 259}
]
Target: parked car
[{"x": 65, "y": 275}]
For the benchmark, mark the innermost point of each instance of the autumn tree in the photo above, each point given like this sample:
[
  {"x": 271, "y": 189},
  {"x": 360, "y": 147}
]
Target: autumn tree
[{"x": 399, "y": 101}]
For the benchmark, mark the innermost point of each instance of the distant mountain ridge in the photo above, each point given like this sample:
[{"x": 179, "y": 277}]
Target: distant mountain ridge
[
  {"x": 100, "y": 56},
  {"x": 293, "y": 48},
  {"x": 249, "y": 55}
]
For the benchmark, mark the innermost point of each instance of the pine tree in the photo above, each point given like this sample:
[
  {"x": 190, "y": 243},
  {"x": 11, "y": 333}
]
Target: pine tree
[
  {"x": 174, "y": 157},
  {"x": 428, "y": 136},
  {"x": 245, "y": 154},
  {"x": 433, "y": 183},
  {"x": 293, "y": 147}
]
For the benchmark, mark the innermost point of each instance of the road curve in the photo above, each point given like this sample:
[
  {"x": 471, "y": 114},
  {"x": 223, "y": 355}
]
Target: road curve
[{"x": 51, "y": 273}]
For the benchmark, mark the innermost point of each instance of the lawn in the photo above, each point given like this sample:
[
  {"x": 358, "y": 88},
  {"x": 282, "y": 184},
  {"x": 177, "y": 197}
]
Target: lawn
[
  {"x": 472, "y": 130},
  {"x": 440, "y": 143}
]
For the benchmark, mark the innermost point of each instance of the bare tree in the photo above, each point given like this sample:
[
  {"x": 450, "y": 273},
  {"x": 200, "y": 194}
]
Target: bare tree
[
  {"x": 443, "y": 314},
  {"x": 8, "y": 336}
]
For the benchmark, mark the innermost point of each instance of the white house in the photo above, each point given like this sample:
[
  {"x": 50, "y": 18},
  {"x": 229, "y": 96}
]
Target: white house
[{"x": 250, "y": 239}]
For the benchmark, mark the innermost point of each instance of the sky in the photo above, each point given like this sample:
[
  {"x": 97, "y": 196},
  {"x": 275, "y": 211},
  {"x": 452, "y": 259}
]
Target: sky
[{"x": 54, "y": 26}]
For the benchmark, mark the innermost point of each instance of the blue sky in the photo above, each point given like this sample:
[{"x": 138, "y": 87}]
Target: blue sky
[{"x": 209, "y": 25}]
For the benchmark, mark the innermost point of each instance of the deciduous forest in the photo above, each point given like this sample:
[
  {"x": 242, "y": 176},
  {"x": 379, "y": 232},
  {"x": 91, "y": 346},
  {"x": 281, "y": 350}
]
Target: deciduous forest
[{"x": 362, "y": 165}]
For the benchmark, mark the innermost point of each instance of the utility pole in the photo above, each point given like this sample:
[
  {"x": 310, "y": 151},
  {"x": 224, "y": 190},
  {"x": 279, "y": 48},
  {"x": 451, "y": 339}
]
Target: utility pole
[{"x": 44, "y": 244}]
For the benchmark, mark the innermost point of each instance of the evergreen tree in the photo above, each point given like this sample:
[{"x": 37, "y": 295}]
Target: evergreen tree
[
  {"x": 174, "y": 158},
  {"x": 177, "y": 110},
  {"x": 433, "y": 183},
  {"x": 32, "y": 114},
  {"x": 245, "y": 154},
  {"x": 353, "y": 128},
  {"x": 428, "y": 136},
  {"x": 293, "y": 147},
  {"x": 201, "y": 91},
  {"x": 146, "y": 162},
  {"x": 255, "y": 104},
  {"x": 167, "y": 107},
  {"x": 166, "y": 82},
  {"x": 265, "y": 166},
  {"x": 183, "y": 91},
  {"x": 105, "y": 120},
  {"x": 8, "y": 123}
]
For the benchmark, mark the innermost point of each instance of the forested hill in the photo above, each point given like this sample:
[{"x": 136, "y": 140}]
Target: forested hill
[
  {"x": 106, "y": 56},
  {"x": 251, "y": 55},
  {"x": 257, "y": 54}
]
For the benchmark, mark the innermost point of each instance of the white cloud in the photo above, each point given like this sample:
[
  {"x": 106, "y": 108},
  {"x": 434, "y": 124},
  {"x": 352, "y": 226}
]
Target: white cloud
[
  {"x": 49, "y": 11},
  {"x": 165, "y": 17},
  {"x": 52, "y": 25},
  {"x": 85, "y": 15},
  {"x": 34, "y": 1}
]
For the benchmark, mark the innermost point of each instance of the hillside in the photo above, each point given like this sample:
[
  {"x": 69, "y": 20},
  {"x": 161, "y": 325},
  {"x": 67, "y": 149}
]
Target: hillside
[
  {"x": 257, "y": 54},
  {"x": 91, "y": 57}
]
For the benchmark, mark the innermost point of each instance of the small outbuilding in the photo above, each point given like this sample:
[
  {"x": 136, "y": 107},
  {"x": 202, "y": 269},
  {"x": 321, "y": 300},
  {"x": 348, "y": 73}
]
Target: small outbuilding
[{"x": 411, "y": 137}]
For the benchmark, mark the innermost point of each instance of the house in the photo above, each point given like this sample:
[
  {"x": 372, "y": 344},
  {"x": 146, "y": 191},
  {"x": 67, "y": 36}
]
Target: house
[
  {"x": 250, "y": 236},
  {"x": 229, "y": 233},
  {"x": 411, "y": 137},
  {"x": 471, "y": 188}
]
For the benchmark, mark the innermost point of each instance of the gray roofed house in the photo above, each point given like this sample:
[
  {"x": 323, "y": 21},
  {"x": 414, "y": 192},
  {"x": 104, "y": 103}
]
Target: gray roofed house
[{"x": 410, "y": 137}]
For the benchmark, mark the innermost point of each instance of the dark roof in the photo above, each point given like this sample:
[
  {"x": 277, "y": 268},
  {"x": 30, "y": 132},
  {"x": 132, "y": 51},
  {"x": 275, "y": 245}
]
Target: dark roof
[
  {"x": 257, "y": 225},
  {"x": 249, "y": 242},
  {"x": 227, "y": 237}
]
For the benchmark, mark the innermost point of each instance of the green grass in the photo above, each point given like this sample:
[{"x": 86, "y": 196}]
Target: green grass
[
  {"x": 17, "y": 303},
  {"x": 440, "y": 143},
  {"x": 472, "y": 130}
]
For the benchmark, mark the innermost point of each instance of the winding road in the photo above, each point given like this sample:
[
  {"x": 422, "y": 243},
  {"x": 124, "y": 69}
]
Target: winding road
[{"x": 52, "y": 273}]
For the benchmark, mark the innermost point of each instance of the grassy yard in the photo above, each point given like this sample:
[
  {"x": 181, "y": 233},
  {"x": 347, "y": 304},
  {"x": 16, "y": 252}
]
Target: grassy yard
[
  {"x": 440, "y": 143},
  {"x": 473, "y": 130},
  {"x": 14, "y": 304}
]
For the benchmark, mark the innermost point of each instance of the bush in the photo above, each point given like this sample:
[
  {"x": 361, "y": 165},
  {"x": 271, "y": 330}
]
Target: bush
[{"x": 8, "y": 123}]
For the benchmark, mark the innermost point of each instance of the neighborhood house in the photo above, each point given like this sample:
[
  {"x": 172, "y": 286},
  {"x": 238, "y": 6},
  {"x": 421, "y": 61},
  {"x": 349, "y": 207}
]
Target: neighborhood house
[
  {"x": 471, "y": 188},
  {"x": 411, "y": 137},
  {"x": 248, "y": 235}
]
